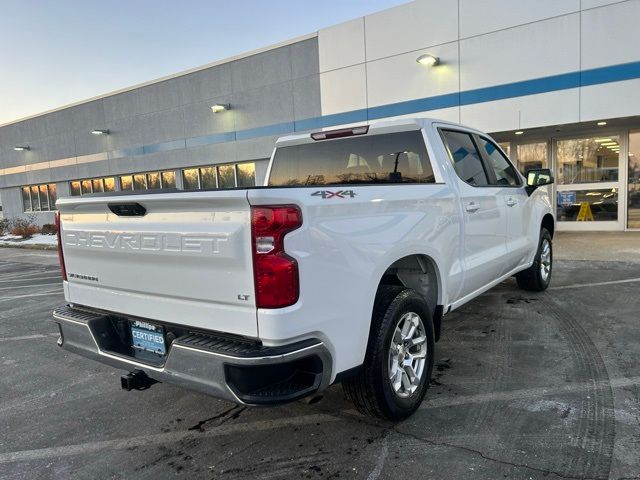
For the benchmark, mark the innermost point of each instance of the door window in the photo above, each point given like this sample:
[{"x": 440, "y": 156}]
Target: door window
[
  {"x": 504, "y": 172},
  {"x": 465, "y": 157}
]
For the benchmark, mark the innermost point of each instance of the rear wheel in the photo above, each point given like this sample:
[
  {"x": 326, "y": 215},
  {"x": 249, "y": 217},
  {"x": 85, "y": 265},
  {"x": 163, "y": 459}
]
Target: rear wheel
[
  {"x": 399, "y": 358},
  {"x": 537, "y": 277}
]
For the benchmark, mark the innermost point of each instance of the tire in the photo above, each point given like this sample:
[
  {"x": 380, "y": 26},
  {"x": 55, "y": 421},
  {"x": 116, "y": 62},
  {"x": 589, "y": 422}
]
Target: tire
[
  {"x": 371, "y": 390},
  {"x": 537, "y": 277}
]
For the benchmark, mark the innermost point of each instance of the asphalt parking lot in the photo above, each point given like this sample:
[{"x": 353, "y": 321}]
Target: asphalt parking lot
[{"x": 525, "y": 386}]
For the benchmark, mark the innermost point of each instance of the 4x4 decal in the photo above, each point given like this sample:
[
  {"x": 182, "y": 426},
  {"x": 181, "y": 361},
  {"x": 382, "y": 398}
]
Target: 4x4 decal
[{"x": 326, "y": 194}]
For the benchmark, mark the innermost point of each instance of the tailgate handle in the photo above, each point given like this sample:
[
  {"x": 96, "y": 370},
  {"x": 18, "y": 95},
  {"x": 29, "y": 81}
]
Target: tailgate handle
[{"x": 128, "y": 209}]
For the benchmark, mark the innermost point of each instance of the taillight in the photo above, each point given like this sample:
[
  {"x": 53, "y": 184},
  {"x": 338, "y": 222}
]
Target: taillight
[
  {"x": 275, "y": 272},
  {"x": 60, "y": 254}
]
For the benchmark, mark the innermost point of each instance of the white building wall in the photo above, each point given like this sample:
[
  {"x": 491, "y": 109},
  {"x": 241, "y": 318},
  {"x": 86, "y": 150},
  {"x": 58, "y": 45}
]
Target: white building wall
[
  {"x": 610, "y": 37},
  {"x": 370, "y": 62}
]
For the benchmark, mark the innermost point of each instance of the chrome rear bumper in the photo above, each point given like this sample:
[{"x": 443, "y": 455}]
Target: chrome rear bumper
[{"x": 211, "y": 364}]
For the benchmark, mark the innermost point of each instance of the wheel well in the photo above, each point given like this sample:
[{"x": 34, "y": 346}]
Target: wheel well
[
  {"x": 548, "y": 223},
  {"x": 419, "y": 273}
]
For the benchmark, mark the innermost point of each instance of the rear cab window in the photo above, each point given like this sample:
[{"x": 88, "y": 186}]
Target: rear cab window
[{"x": 399, "y": 157}]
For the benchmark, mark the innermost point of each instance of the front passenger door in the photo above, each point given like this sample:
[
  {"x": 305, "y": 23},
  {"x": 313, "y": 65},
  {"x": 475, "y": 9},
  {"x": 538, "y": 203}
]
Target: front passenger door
[
  {"x": 511, "y": 192},
  {"x": 483, "y": 213}
]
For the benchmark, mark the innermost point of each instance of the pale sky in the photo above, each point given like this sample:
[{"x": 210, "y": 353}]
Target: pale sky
[{"x": 56, "y": 52}]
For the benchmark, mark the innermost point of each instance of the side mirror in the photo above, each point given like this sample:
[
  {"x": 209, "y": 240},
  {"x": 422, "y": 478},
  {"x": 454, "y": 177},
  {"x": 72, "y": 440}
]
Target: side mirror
[{"x": 537, "y": 178}]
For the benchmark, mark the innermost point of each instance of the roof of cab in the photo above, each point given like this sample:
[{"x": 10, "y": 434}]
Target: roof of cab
[{"x": 375, "y": 127}]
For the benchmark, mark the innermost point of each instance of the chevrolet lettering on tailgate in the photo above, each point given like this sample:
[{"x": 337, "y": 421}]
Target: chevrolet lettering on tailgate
[{"x": 152, "y": 242}]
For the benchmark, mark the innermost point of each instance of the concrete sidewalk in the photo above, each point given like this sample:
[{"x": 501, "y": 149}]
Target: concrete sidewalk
[{"x": 597, "y": 246}]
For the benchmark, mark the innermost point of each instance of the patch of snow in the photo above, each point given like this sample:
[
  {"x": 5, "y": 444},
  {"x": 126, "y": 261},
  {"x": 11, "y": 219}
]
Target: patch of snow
[{"x": 37, "y": 239}]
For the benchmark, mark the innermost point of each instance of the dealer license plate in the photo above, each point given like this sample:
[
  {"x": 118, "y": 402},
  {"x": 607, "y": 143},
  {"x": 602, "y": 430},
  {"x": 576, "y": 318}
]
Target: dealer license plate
[{"x": 147, "y": 337}]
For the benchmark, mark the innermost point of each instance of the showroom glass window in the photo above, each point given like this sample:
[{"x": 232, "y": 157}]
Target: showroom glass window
[
  {"x": 506, "y": 148},
  {"x": 531, "y": 156},
  {"x": 587, "y": 160},
  {"x": 633, "y": 201},
  {"x": 597, "y": 205}
]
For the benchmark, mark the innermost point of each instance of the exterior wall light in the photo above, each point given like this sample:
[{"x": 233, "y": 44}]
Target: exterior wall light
[
  {"x": 601, "y": 124},
  {"x": 519, "y": 132},
  {"x": 97, "y": 131},
  {"x": 428, "y": 60},
  {"x": 220, "y": 107},
  {"x": 21, "y": 148}
]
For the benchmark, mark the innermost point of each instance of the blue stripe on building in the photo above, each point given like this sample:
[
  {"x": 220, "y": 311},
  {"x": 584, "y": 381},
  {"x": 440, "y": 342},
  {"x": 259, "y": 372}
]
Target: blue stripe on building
[{"x": 553, "y": 83}]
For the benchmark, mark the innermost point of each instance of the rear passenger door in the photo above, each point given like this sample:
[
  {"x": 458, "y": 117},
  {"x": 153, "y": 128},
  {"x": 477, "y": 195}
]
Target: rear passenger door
[
  {"x": 483, "y": 211},
  {"x": 511, "y": 192}
]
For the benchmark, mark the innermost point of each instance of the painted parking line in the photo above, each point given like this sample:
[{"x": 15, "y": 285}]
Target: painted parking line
[
  {"x": 31, "y": 286},
  {"x": 28, "y": 337},
  {"x": 596, "y": 284},
  {"x": 20, "y": 278},
  {"x": 527, "y": 393},
  {"x": 161, "y": 438},
  {"x": 22, "y": 273},
  {"x": 42, "y": 294}
]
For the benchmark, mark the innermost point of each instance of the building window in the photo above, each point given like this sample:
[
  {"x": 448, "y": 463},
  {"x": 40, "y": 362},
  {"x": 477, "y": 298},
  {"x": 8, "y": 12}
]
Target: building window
[
  {"x": 190, "y": 179},
  {"x": 226, "y": 176},
  {"x": 153, "y": 180},
  {"x": 506, "y": 148},
  {"x": 39, "y": 198},
  {"x": 140, "y": 182},
  {"x": 221, "y": 176},
  {"x": 74, "y": 188},
  {"x": 208, "y": 178},
  {"x": 531, "y": 156},
  {"x": 587, "y": 160},
  {"x": 109, "y": 184},
  {"x": 92, "y": 185},
  {"x": 168, "y": 179},
  {"x": 587, "y": 205},
  {"x": 246, "y": 174},
  {"x": 149, "y": 180},
  {"x": 126, "y": 182}
]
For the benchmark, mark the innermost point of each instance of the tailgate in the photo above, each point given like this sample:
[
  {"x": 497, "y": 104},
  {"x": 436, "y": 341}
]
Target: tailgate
[{"x": 186, "y": 261}]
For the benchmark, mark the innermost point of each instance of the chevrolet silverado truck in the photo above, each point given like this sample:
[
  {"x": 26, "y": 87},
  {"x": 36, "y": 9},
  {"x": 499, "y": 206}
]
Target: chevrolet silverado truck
[{"x": 340, "y": 268}]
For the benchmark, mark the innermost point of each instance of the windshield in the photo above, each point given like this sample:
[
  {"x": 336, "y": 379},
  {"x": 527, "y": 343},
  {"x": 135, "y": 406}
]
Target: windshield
[{"x": 386, "y": 158}]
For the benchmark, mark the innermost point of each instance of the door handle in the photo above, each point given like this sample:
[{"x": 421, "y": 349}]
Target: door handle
[
  {"x": 511, "y": 202},
  {"x": 472, "y": 207}
]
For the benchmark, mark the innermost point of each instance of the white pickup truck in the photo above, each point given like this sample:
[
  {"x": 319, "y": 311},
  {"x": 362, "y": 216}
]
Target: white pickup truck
[{"x": 339, "y": 269}]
